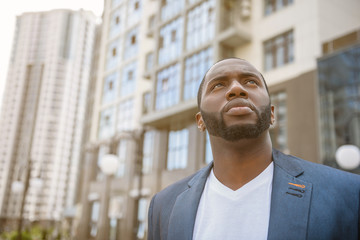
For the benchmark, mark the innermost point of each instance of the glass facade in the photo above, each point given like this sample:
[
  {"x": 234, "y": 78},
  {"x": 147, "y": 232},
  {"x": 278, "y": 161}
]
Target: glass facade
[
  {"x": 167, "y": 87},
  {"x": 113, "y": 54},
  {"x": 115, "y": 3},
  {"x": 278, "y": 132},
  {"x": 279, "y": 51},
  {"x": 125, "y": 120},
  {"x": 272, "y": 6},
  {"x": 107, "y": 123},
  {"x": 339, "y": 90},
  {"x": 95, "y": 211},
  {"x": 148, "y": 150},
  {"x": 195, "y": 68},
  {"x": 170, "y": 8},
  {"x": 110, "y": 88},
  {"x": 170, "y": 45},
  {"x": 128, "y": 79},
  {"x": 131, "y": 43},
  {"x": 134, "y": 11},
  {"x": 208, "y": 152},
  {"x": 142, "y": 215},
  {"x": 200, "y": 24},
  {"x": 177, "y": 149},
  {"x": 122, "y": 154},
  {"x": 117, "y": 22}
]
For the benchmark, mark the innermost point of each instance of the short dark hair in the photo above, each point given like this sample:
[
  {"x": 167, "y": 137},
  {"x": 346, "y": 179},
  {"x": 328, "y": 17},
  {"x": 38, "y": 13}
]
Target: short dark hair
[{"x": 203, "y": 80}]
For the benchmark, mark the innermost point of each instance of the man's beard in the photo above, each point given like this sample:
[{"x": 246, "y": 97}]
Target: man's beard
[{"x": 216, "y": 126}]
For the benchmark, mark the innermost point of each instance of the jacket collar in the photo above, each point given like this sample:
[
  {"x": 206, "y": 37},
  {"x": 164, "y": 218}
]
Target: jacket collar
[{"x": 290, "y": 202}]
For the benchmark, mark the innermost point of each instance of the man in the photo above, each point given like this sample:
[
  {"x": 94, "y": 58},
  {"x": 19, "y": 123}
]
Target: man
[{"x": 252, "y": 191}]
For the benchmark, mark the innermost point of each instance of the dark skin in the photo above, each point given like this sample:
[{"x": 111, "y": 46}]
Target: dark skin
[{"x": 236, "y": 162}]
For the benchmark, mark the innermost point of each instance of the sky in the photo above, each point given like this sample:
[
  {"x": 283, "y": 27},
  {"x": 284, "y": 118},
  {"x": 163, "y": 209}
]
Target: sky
[{"x": 13, "y": 8}]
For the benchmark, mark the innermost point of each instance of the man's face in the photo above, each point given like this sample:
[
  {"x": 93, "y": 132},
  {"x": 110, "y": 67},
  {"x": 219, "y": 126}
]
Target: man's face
[{"x": 234, "y": 104}]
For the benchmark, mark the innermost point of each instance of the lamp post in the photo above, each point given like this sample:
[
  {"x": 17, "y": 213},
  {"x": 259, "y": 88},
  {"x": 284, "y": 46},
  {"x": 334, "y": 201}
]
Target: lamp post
[
  {"x": 348, "y": 155},
  {"x": 109, "y": 164},
  {"x": 19, "y": 187}
]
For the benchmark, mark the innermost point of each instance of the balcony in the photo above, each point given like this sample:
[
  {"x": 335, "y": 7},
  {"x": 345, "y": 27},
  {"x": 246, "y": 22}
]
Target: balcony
[{"x": 234, "y": 23}]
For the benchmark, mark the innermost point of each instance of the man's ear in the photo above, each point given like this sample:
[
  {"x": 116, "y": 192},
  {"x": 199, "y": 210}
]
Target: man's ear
[
  {"x": 200, "y": 122},
  {"x": 272, "y": 115}
]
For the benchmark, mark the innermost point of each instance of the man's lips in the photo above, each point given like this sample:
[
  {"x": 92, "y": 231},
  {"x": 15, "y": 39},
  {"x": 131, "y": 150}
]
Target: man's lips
[
  {"x": 239, "y": 111},
  {"x": 238, "y": 106}
]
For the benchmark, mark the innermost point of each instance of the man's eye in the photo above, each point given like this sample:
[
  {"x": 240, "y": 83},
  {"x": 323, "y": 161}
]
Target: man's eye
[
  {"x": 250, "y": 81},
  {"x": 217, "y": 85}
]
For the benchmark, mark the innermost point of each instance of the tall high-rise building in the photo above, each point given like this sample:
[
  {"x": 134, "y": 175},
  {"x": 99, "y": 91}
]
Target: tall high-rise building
[
  {"x": 154, "y": 56},
  {"x": 43, "y": 112}
]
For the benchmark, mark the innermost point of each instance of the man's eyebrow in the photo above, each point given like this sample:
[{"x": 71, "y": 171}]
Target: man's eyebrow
[
  {"x": 218, "y": 78},
  {"x": 240, "y": 75},
  {"x": 249, "y": 74}
]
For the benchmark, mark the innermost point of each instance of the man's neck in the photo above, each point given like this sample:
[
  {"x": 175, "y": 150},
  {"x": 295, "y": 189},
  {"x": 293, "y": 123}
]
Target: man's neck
[{"x": 237, "y": 163}]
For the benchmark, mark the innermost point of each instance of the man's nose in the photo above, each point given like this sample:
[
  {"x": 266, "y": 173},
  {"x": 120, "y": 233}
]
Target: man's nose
[{"x": 236, "y": 90}]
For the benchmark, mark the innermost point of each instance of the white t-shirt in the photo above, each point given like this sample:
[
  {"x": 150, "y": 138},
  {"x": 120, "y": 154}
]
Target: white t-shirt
[{"x": 242, "y": 214}]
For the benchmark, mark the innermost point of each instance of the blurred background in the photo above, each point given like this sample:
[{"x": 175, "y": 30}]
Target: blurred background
[{"x": 99, "y": 99}]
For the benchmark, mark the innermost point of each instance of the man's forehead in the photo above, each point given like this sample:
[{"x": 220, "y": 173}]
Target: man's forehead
[{"x": 231, "y": 65}]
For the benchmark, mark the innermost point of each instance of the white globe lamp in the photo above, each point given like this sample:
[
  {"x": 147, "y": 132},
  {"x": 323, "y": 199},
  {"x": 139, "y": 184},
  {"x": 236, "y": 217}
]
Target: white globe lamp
[
  {"x": 109, "y": 164},
  {"x": 348, "y": 157}
]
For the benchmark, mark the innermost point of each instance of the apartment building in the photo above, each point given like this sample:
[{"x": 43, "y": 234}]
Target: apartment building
[
  {"x": 43, "y": 113},
  {"x": 146, "y": 102}
]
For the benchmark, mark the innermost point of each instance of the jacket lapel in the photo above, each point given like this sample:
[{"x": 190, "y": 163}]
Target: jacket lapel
[
  {"x": 290, "y": 200},
  {"x": 182, "y": 219}
]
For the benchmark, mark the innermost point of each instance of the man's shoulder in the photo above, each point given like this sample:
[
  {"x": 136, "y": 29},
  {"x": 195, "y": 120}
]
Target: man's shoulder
[{"x": 316, "y": 171}]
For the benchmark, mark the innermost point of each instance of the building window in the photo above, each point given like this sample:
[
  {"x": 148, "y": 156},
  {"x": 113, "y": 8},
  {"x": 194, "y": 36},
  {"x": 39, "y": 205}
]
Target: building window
[
  {"x": 170, "y": 45},
  {"x": 128, "y": 80},
  {"x": 339, "y": 91},
  {"x": 170, "y": 8},
  {"x": 149, "y": 61},
  {"x": 116, "y": 213},
  {"x": 195, "y": 68},
  {"x": 110, "y": 88},
  {"x": 125, "y": 115},
  {"x": 148, "y": 149},
  {"x": 134, "y": 11},
  {"x": 146, "y": 102},
  {"x": 272, "y": 6},
  {"x": 122, "y": 155},
  {"x": 131, "y": 46},
  {"x": 113, "y": 55},
  {"x": 167, "y": 87},
  {"x": 278, "y": 132},
  {"x": 208, "y": 151},
  {"x": 177, "y": 149},
  {"x": 279, "y": 51},
  {"x": 116, "y": 3},
  {"x": 200, "y": 25},
  {"x": 117, "y": 22},
  {"x": 142, "y": 215},
  {"x": 107, "y": 123},
  {"x": 95, "y": 211}
]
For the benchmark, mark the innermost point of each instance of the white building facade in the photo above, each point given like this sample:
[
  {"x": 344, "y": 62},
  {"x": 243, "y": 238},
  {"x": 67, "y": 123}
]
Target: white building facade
[{"x": 43, "y": 111}]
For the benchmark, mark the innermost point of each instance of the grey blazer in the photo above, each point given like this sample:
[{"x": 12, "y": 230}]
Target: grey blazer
[{"x": 308, "y": 201}]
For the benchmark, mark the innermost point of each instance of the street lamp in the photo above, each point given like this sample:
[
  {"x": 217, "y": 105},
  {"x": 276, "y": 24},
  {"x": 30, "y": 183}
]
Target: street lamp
[
  {"x": 108, "y": 164},
  {"x": 19, "y": 187},
  {"x": 348, "y": 155}
]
